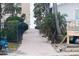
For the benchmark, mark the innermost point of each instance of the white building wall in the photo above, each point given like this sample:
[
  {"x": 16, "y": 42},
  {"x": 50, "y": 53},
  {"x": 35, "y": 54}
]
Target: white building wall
[
  {"x": 69, "y": 9},
  {"x": 26, "y": 10}
]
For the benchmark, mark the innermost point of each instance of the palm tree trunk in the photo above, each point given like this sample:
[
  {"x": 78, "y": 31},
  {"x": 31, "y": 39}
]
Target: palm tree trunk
[
  {"x": 59, "y": 36},
  {"x": 56, "y": 18}
]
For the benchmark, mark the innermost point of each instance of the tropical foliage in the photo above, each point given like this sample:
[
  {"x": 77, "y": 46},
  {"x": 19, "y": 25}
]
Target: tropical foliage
[
  {"x": 39, "y": 11},
  {"x": 47, "y": 24},
  {"x": 12, "y": 8}
]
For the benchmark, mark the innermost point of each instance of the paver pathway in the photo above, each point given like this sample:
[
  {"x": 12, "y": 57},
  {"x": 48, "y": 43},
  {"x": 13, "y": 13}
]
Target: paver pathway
[{"x": 34, "y": 44}]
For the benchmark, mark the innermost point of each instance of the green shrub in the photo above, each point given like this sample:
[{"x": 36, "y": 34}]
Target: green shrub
[
  {"x": 48, "y": 26},
  {"x": 12, "y": 28},
  {"x": 13, "y": 18},
  {"x": 3, "y": 33}
]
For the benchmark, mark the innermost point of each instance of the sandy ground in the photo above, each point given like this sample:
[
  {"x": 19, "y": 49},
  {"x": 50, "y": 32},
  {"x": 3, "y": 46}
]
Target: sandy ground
[{"x": 34, "y": 44}]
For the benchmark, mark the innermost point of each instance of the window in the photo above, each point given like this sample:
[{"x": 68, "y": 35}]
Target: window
[{"x": 77, "y": 14}]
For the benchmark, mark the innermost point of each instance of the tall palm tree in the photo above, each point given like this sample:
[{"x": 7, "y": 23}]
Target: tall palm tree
[
  {"x": 52, "y": 25},
  {"x": 55, "y": 11},
  {"x": 56, "y": 18}
]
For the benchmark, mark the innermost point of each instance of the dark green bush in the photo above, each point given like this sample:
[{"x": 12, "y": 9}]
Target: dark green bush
[
  {"x": 13, "y": 18},
  {"x": 11, "y": 27},
  {"x": 3, "y": 33},
  {"x": 49, "y": 29}
]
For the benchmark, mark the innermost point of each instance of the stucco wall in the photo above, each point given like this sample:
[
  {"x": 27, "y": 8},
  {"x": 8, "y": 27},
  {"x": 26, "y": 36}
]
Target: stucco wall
[
  {"x": 26, "y": 10},
  {"x": 69, "y": 9}
]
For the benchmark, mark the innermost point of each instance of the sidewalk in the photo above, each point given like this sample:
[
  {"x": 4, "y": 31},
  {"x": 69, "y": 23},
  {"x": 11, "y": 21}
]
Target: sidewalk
[{"x": 35, "y": 45}]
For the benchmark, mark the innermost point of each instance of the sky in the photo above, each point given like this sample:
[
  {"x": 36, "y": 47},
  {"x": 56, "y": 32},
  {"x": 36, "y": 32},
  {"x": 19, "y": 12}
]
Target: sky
[{"x": 32, "y": 19}]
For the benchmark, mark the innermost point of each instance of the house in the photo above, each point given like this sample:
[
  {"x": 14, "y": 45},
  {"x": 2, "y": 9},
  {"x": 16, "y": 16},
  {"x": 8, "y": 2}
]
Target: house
[
  {"x": 71, "y": 9},
  {"x": 72, "y": 12}
]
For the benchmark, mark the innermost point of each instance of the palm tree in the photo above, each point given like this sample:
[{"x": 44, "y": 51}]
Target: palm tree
[
  {"x": 51, "y": 25},
  {"x": 55, "y": 11},
  {"x": 48, "y": 26},
  {"x": 40, "y": 10}
]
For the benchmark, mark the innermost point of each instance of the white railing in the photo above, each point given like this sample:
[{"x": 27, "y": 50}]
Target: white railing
[{"x": 73, "y": 25}]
